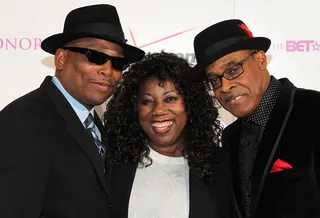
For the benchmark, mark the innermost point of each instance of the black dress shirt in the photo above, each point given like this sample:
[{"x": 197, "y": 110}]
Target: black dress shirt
[{"x": 252, "y": 130}]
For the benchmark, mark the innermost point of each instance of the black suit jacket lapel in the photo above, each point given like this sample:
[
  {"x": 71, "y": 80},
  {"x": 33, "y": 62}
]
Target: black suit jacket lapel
[
  {"x": 106, "y": 166},
  {"x": 231, "y": 141},
  {"x": 75, "y": 128},
  {"x": 270, "y": 140},
  {"x": 121, "y": 186}
]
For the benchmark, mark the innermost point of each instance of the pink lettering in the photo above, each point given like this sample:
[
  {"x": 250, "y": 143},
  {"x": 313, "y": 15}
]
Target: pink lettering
[
  {"x": 11, "y": 44},
  {"x": 22, "y": 43},
  {"x": 290, "y": 45},
  {"x": 307, "y": 44},
  {"x": 37, "y": 43},
  {"x": 300, "y": 45}
]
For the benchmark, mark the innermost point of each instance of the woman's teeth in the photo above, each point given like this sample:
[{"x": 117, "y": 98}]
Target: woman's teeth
[
  {"x": 162, "y": 124},
  {"x": 162, "y": 127}
]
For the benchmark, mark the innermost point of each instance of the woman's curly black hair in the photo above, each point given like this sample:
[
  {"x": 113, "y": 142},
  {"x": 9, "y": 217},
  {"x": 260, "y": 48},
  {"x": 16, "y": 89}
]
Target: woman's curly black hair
[{"x": 126, "y": 138}]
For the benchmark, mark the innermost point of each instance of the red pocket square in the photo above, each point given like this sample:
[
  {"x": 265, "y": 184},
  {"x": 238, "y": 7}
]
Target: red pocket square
[{"x": 280, "y": 165}]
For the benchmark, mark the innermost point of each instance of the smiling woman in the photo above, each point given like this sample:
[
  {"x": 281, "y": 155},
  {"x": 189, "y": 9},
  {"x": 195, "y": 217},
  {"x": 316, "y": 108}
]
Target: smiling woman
[
  {"x": 162, "y": 116},
  {"x": 164, "y": 136}
]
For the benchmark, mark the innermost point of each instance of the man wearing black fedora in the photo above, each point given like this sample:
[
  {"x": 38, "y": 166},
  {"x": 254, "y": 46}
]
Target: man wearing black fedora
[
  {"x": 274, "y": 153},
  {"x": 52, "y": 149}
]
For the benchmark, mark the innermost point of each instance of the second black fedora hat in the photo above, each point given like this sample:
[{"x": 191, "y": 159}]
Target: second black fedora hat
[{"x": 221, "y": 39}]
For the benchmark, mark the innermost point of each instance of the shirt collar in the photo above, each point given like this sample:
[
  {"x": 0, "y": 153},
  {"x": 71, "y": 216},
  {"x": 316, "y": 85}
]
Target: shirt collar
[
  {"x": 261, "y": 115},
  {"x": 81, "y": 111}
]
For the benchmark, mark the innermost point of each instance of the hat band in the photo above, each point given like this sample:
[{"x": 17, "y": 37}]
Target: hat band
[
  {"x": 100, "y": 29},
  {"x": 219, "y": 46}
]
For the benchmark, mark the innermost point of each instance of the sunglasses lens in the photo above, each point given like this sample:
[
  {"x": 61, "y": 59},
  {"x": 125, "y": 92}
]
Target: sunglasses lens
[
  {"x": 119, "y": 63},
  {"x": 96, "y": 57},
  {"x": 100, "y": 58}
]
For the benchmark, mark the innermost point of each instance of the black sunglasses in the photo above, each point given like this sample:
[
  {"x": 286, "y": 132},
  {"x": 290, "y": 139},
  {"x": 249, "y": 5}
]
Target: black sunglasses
[{"x": 100, "y": 58}]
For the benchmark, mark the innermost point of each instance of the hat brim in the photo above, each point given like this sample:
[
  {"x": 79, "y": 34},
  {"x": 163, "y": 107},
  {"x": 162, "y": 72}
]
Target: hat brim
[
  {"x": 54, "y": 42},
  {"x": 198, "y": 72}
]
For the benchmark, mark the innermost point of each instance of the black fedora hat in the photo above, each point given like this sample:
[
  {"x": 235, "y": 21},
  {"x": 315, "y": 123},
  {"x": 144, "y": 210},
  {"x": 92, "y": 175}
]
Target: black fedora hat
[
  {"x": 221, "y": 39},
  {"x": 97, "y": 21}
]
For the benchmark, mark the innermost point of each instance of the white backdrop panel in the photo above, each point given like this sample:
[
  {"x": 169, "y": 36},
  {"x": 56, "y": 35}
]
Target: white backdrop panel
[
  {"x": 156, "y": 25},
  {"x": 293, "y": 29}
]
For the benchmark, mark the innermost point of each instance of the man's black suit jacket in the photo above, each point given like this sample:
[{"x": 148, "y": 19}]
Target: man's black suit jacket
[
  {"x": 291, "y": 135},
  {"x": 49, "y": 165}
]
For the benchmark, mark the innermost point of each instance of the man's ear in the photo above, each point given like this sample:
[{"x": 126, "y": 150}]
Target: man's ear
[
  {"x": 262, "y": 59},
  {"x": 60, "y": 58}
]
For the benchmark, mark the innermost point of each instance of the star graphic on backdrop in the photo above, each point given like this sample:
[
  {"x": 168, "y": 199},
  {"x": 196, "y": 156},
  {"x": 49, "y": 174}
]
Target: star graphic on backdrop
[
  {"x": 158, "y": 40},
  {"x": 316, "y": 46}
]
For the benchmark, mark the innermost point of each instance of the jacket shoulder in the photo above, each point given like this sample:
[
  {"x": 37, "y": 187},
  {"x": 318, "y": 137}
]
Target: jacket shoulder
[{"x": 31, "y": 103}]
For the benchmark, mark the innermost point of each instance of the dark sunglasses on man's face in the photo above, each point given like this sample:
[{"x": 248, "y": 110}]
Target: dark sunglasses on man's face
[{"x": 100, "y": 58}]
